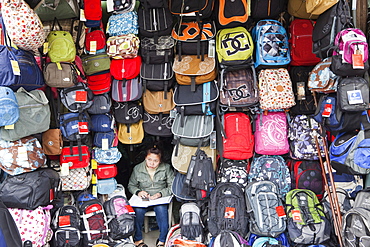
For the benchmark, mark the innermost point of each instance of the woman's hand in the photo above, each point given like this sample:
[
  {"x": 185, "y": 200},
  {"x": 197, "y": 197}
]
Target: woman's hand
[
  {"x": 155, "y": 196},
  {"x": 143, "y": 194}
]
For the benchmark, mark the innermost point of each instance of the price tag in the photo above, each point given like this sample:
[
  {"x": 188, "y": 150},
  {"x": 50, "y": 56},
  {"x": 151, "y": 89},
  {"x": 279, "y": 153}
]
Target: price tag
[
  {"x": 93, "y": 46},
  {"x": 45, "y": 47},
  {"x": 64, "y": 220},
  {"x": 59, "y": 66},
  {"x": 327, "y": 110},
  {"x": 296, "y": 215},
  {"x": 229, "y": 213},
  {"x": 81, "y": 97},
  {"x": 110, "y": 6},
  {"x": 82, "y": 15},
  {"x": 105, "y": 144},
  {"x": 280, "y": 211},
  {"x": 15, "y": 67},
  {"x": 64, "y": 171},
  {"x": 22, "y": 153},
  {"x": 94, "y": 191},
  {"x": 301, "y": 92},
  {"x": 211, "y": 48},
  {"x": 357, "y": 61},
  {"x": 355, "y": 97},
  {"x": 9, "y": 127},
  {"x": 94, "y": 164},
  {"x": 83, "y": 128}
]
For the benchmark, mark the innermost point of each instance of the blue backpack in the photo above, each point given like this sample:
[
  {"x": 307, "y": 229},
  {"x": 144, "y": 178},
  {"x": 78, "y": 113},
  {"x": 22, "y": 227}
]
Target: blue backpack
[
  {"x": 9, "y": 110},
  {"x": 257, "y": 241},
  {"x": 272, "y": 47}
]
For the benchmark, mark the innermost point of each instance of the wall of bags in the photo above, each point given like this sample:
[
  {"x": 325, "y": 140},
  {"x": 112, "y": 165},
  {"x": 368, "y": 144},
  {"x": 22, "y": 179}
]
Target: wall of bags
[{"x": 269, "y": 91}]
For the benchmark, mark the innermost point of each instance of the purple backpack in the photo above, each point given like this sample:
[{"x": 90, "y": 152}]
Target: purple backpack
[{"x": 271, "y": 135}]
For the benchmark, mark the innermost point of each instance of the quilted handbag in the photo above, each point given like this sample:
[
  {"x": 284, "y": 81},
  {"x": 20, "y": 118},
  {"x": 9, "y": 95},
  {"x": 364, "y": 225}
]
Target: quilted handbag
[
  {"x": 190, "y": 70},
  {"x": 276, "y": 91},
  {"x": 77, "y": 179},
  {"x": 126, "y": 90},
  {"x": 21, "y": 156},
  {"x": 110, "y": 156},
  {"x": 18, "y": 17},
  {"x": 106, "y": 171},
  {"x": 75, "y": 156},
  {"x": 125, "y": 68},
  {"x": 106, "y": 186},
  {"x": 124, "y": 23},
  {"x": 123, "y": 46}
]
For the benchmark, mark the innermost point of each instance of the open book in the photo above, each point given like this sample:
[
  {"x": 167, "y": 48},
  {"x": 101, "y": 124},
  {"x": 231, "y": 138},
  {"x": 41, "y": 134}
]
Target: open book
[{"x": 136, "y": 201}]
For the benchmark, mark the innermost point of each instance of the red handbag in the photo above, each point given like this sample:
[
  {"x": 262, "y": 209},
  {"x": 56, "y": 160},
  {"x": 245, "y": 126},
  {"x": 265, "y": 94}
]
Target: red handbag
[
  {"x": 75, "y": 156},
  {"x": 106, "y": 171},
  {"x": 128, "y": 68},
  {"x": 99, "y": 83}
]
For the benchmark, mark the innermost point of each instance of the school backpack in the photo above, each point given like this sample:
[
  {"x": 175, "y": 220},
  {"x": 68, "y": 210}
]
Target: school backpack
[
  {"x": 272, "y": 46},
  {"x": 259, "y": 241},
  {"x": 34, "y": 225},
  {"x": 265, "y": 208},
  {"x": 227, "y": 210},
  {"x": 356, "y": 226},
  {"x": 276, "y": 91},
  {"x": 302, "y": 132},
  {"x": 233, "y": 171},
  {"x": 306, "y": 220},
  {"x": 231, "y": 13},
  {"x": 200, "y": 177},
  {"x": 94, "y": 226},
  {"x": 272, "y": 168},
  {"x": 228, "y": 238},
  {"x": 271, "y": 134},
  {"x": 301, "y": 43},
  {"x": 61, "y": 47},
  {"x": 37, "y": 188},
  {"x": 66, "y": 225},
  {"x": 350, "y": 58},
  {"x": 353, "y": 94},
  {"x": 307, "y": 174},
  {"x": 9, "y": 109},
  {"x": 238, "y": 87},
  {"x": 237, "y": 136},
  {"x": 194, "y": 38},
  {"x": 267, "y": 9},
  {"x": 95, "y": 41},
  {"x": 191, "y": 224},
  {"x": 154, "y": 22},
  {"x": 9, "y": 233},
  {"x": 328, "y": 24},
  {"x": 120, "y": 216},
  {"x": 234, "y": 46},
  {"x": 304, "y": 99}
]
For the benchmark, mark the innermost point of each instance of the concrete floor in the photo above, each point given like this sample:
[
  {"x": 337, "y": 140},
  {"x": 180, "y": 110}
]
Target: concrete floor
[{"x": 151, "y": 237}]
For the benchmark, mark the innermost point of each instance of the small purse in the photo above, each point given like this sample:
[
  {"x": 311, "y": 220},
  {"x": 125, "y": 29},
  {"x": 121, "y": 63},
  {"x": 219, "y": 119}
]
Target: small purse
[
  {"x": 106, "y": 171},
  {"x": 106, "y": 186},
  {"x": 110, "y": 156},
  {"x": 123, "y": 46}
]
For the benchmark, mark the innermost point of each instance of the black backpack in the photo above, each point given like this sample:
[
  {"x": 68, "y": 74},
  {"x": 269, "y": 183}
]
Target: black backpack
[
  {"x": 9, "y": 234},
  {"x": 267, "y": 9},
  {"x": 120, "y": 216},
  {"x": 154, "y": 22},
  {"x": 227, "y": 209},
  {"x": 66, "y": 226},
  {"x": 327, "y": 26},
  {"x": 305, "y": 103},
  {"x": 191, "y": 224},
  {"x": 200, "y": 177},
  {"x": 29, "y": 190}
]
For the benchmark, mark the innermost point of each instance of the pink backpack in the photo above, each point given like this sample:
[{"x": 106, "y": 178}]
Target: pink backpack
[
  {"x": 33, "y": 225},
  {"x": 271, "y": 135}
]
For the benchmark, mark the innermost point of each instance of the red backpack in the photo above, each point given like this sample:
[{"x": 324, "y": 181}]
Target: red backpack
[
  {"x": 301, "y": 43},
  {"x": 95, "y": 41},
  {"x": 237, "y": 136}
]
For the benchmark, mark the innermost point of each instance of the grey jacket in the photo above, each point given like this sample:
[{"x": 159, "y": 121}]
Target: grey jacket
[{"x": 141, "y": 180}]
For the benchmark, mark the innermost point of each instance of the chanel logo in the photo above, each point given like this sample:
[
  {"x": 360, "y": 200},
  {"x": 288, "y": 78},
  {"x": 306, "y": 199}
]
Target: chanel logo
[
  {"x": 235, "y": 43},
  {"x": 239, "y": 93}
]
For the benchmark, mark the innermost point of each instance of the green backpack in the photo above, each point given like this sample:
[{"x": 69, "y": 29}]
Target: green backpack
[
  {"x": 61, "y": 47},
  {"x": 234, "y": 46},
  {"x": 306, "y": 220}
]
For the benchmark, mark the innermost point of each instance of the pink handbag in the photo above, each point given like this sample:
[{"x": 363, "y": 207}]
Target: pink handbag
[{"x": 271, "y": 135}]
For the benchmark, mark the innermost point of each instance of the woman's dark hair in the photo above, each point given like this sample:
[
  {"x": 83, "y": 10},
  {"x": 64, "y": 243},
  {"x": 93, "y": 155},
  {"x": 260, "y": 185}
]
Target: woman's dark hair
[{"x": 155, "y": 150}]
